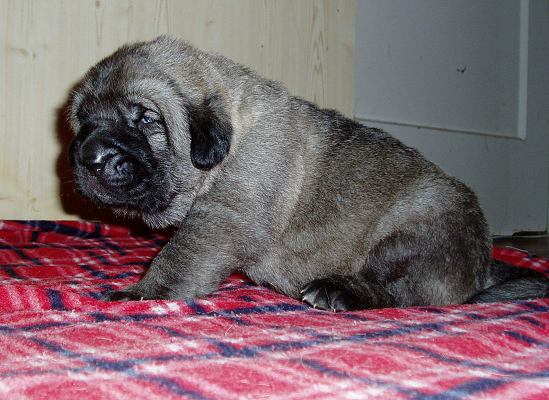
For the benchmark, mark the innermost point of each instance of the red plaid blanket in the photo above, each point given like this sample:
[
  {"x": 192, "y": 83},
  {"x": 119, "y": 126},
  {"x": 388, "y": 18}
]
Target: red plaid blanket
[{"x": 58, "y": 340}]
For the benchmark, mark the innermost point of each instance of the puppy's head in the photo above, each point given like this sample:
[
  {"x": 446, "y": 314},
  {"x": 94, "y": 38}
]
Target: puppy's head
[{"x": 148, "y": 128}]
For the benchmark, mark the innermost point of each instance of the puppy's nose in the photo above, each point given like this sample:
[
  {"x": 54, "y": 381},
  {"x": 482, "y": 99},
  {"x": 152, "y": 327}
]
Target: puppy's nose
[
  {"x": 103, "y": 158},
  {"x": 96, "y": 153}
]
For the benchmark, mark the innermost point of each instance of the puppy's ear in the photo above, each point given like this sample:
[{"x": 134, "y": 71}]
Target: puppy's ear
[{"x": 211, "y": 132}]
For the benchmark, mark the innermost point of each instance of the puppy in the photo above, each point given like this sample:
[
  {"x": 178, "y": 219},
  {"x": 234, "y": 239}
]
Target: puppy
[{"x": 321, "y": 208}]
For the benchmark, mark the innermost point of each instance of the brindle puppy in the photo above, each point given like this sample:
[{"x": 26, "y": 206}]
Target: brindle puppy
[{"x": 318, "y": 206}]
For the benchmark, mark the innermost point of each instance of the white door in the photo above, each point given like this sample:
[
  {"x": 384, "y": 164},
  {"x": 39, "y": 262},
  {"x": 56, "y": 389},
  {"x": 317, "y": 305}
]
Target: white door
[{"x": 467, "y": 83}]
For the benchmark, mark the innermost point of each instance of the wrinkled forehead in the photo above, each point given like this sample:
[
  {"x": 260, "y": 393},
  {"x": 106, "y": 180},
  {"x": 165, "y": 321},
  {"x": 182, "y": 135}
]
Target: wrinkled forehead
[
  {"x": 105, "y": 107},
  {"x": 112, "y": 99}
]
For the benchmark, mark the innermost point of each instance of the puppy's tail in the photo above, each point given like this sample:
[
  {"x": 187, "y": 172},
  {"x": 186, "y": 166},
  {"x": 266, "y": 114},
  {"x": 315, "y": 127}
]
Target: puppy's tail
[{"x": 506, "y": 283}]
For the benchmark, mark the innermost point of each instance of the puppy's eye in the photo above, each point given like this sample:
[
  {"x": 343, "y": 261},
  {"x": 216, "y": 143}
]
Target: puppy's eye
[{"x": 146, "y": 119}]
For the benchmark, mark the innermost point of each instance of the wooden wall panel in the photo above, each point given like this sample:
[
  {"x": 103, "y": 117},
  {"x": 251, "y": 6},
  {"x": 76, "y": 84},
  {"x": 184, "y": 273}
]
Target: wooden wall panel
[{"x": 48, "y": 44}]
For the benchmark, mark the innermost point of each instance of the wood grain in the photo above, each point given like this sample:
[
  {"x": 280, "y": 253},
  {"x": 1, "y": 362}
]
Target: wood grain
[{"x": 48, "y": 44}]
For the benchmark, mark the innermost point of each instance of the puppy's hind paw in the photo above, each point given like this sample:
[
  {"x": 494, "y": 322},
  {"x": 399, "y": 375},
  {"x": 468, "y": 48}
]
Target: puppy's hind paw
[{"x": 325, "y": 295}]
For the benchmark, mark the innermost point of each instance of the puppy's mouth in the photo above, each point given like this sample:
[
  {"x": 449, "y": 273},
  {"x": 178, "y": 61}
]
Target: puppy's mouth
[
  {"x": 146, "y": 196},
  {"x": 120, "y": 189},
  {"x": 116, "y": 173}
]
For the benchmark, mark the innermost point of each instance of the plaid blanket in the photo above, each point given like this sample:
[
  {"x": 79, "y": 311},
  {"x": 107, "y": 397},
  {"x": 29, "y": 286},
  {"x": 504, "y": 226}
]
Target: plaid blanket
[{"x": 58, "y": 340}]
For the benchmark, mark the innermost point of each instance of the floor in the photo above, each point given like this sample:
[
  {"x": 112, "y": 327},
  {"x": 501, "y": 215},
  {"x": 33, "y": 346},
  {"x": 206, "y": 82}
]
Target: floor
[{"x": 538, "y": 245}]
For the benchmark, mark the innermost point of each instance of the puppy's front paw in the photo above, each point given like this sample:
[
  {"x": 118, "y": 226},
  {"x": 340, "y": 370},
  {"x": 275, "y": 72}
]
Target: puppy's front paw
[
  {"x": 135, "y": 293},
  {"x": 140, "y": 291},
  {"x": 326, "y": 295},
  {"x": 123, "y": 295}
]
